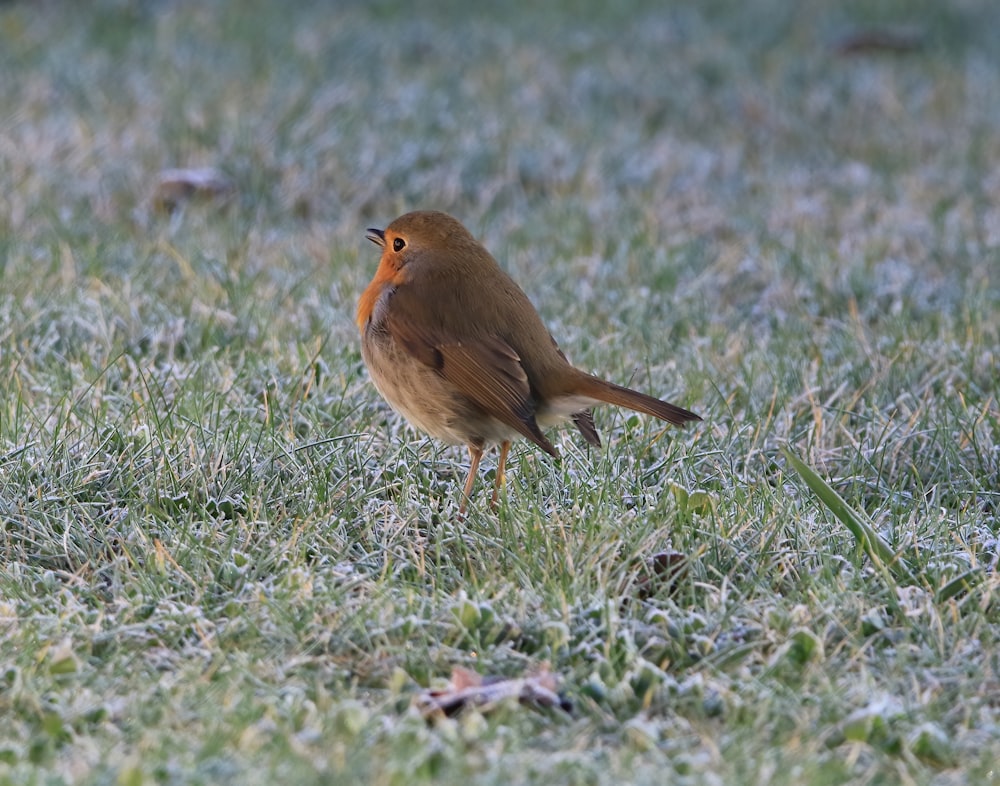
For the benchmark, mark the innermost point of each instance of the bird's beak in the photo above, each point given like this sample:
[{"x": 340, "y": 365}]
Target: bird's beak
[{"x": 377, "y": 236}]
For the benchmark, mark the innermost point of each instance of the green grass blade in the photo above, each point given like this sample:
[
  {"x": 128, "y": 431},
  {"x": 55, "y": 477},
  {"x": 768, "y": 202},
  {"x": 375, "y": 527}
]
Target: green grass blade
[
  {"x": 880, "y": 552},
  {"x": 959, "y": 585}
]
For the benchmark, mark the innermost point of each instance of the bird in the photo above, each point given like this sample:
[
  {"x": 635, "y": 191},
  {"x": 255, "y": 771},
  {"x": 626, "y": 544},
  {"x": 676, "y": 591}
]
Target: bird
[{"x": 455, "y": 346}]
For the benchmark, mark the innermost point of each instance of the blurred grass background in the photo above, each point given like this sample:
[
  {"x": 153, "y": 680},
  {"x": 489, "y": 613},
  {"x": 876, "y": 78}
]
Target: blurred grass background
[{"x": 225, "y": 560}]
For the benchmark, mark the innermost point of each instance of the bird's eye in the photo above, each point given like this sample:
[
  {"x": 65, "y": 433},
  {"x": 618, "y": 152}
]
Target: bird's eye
[{"x": 398, "y": 244}]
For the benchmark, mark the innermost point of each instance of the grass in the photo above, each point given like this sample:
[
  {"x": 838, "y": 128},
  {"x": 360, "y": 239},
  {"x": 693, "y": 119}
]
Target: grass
[{"x": 223, "y": 559}]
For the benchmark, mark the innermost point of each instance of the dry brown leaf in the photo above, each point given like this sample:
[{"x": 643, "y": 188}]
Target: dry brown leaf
[
  {"x": 176, "y": 186},
  {"x": 468, "y": 689},
  {"x": 880, "y": 40},
  {"x": 663, "y": 571}
]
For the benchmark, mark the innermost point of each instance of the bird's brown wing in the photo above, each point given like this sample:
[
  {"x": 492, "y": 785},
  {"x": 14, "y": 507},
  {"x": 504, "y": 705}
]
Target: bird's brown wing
[
  {"x": 584, "y": 421},
  {"x": 486, "y": 370}
]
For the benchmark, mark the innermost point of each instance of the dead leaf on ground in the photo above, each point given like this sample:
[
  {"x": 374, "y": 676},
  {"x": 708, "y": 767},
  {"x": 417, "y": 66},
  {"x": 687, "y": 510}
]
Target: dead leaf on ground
[
  {"x": 467, "y": 689},
  {"x": 893, "y": 41},
  {"x": 664, "y": 571},
  {"x": 176, "y": 186}
]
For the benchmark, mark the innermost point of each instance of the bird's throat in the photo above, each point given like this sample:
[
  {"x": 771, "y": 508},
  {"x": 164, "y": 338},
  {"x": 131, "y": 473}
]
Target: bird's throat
[{"x": 369, "y": 300}]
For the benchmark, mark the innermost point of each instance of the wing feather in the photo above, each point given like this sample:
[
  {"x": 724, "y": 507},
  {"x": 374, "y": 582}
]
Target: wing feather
[{"x": 486, "y": 370}]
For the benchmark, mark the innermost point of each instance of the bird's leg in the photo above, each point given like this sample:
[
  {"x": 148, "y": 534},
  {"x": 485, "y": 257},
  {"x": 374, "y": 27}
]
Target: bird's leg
[
  {"x": 475, "y": 456},
  {"x": 501, "y": 473}
]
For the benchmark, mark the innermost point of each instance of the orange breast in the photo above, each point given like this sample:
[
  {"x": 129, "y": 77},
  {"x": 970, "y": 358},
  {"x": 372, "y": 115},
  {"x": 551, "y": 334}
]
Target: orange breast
[{"x": 384, "y": 276}]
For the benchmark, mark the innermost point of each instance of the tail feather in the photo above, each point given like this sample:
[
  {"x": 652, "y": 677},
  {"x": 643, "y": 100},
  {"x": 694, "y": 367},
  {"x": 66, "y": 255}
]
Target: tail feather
[{"x": 610, "y": 393}]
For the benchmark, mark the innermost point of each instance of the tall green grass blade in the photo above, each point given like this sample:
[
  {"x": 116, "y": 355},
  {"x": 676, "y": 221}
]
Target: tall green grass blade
[
  {"x": 878, "y": 551},
  {"x": 960, "y": 585}
]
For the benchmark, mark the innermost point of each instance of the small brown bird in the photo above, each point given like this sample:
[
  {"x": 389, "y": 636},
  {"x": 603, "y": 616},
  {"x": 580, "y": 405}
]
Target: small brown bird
[{"x": 455, "y": 346}]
